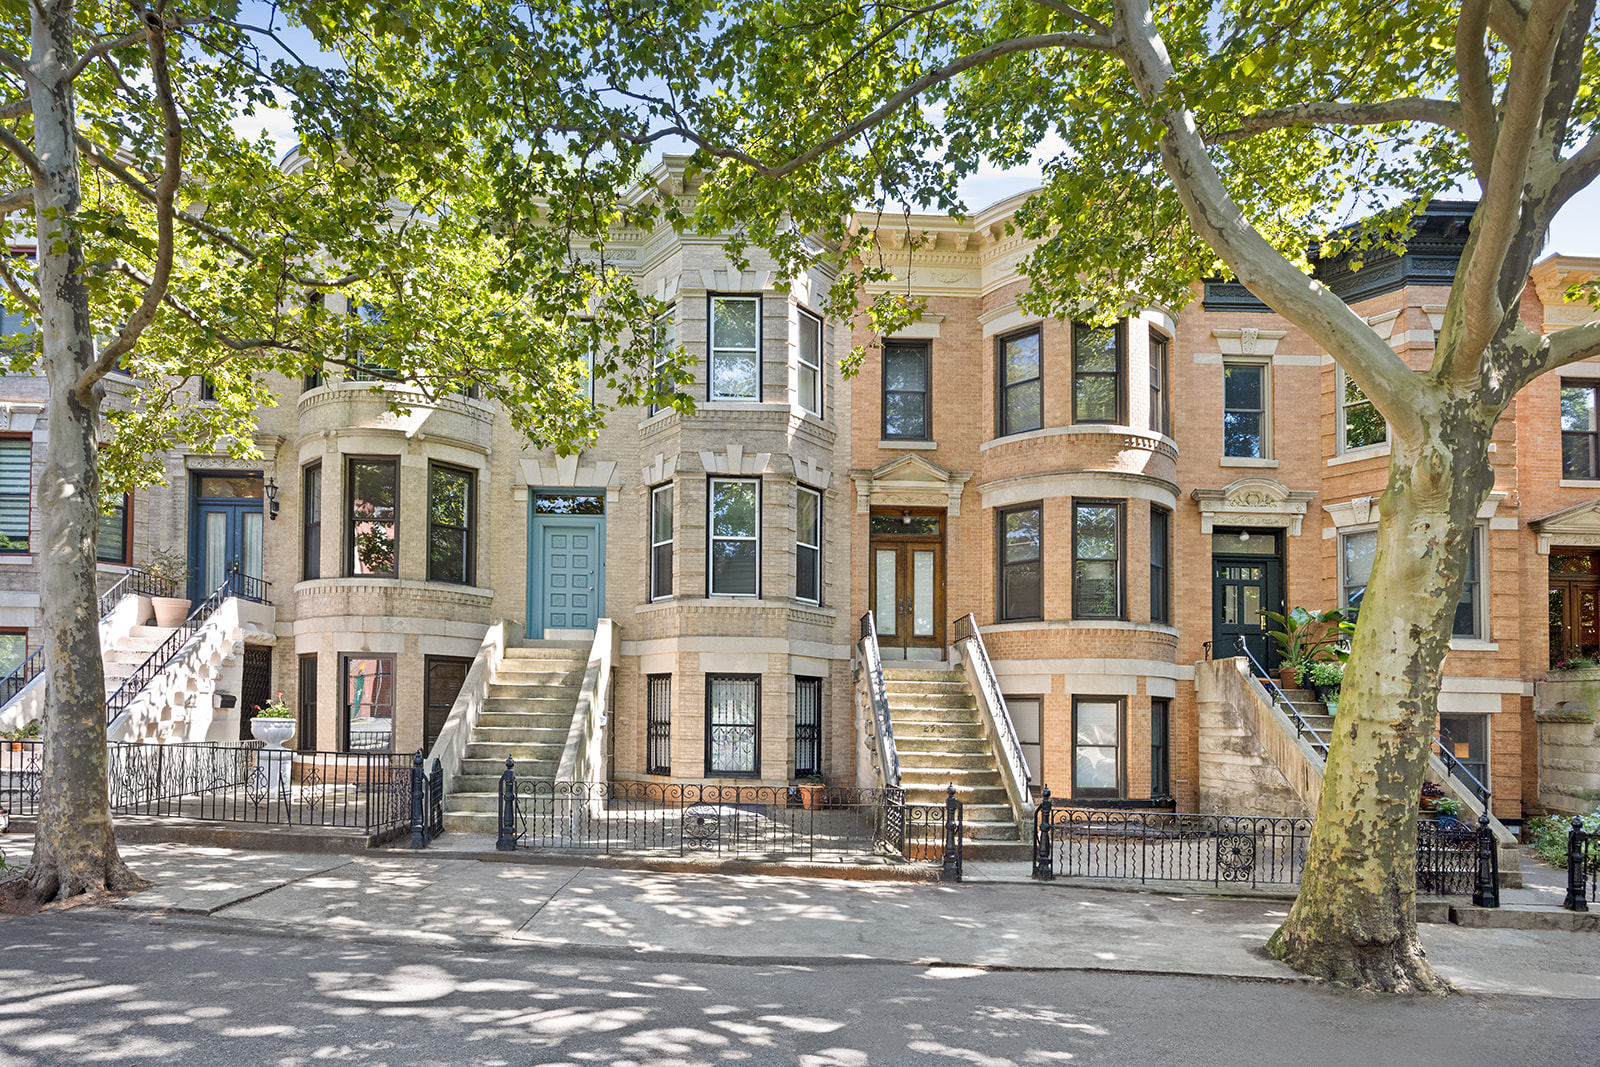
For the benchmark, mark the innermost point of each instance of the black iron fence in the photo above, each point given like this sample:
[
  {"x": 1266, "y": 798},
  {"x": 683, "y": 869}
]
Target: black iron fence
[
  {"x": 1456, "y": 858},
  {"x": 427, "y": 801},
  {"x": 729, "y": 821},
  {"x": 1583, "y": 866},
  {"x": 21, "y": 774}
]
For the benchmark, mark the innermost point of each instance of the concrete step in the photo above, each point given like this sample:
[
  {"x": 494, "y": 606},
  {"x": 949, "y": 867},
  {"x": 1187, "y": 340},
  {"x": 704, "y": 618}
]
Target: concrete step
[
  {"x": 915, "y": 775},
  {"x": 535, "y": 685},
  {"x": 534, "y": 719},
  {"x": 487, "y": 802},
  {"x": 531, "y": 764},
  {"x": 953, "y": 742},
  {"x": 915, "y": 674},
  {"x": 521, "y": 735},
  {"x": 955, "y": 761},
  {"x": 902, "y": 713},
  {"x": 524, "y": 752},
  {"x": 905, "y": 701},
  {"x": 159, "y": 632},
  {"x": 544, "y": 705},
  {"x": 920, "y": 685}
]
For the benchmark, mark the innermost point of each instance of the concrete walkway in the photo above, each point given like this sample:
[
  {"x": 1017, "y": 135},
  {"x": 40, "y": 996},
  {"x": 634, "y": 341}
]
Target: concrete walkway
[{"x": 448, "y": 901}]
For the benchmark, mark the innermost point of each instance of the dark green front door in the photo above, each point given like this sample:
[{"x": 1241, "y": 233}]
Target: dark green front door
[{"x": 1246, "y": 579}]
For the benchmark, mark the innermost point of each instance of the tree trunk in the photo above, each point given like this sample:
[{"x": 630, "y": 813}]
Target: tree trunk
[
  {"x": 74, "y": 851},
  {"x": 1354, "y": 920}
]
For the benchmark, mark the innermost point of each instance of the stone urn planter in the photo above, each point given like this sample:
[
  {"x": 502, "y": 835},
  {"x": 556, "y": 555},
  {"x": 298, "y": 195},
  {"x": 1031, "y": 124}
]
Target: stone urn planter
[
  {"x": 170, "y": 610},
  {"x": 274, "y": 733}
]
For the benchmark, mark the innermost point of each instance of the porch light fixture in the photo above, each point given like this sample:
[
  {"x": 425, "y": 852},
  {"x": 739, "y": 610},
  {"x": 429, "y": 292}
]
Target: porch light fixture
[
  {"x": 272, "y": 499},
  {"x": 905, "y": 518}
]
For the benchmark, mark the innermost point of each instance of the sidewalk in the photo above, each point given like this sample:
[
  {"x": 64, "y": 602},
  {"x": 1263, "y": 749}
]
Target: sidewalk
[{"x": 459, "y": 902}]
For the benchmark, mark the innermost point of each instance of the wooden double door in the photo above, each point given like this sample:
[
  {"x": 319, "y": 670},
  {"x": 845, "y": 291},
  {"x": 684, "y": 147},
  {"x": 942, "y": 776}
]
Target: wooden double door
[{"x": 907, "y": 590}]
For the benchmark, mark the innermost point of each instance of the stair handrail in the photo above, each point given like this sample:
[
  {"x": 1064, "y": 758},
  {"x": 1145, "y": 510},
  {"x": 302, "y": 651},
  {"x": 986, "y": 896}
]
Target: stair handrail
[
  {"x": 993, "y": 702},
  {"x": 167, "y": 651},
  {"x": 137, "y": 582},
  {"x": 1457, "y": 769},
  {"x": 1302, "y": 727},
  {"x": 878, "y": 696}
]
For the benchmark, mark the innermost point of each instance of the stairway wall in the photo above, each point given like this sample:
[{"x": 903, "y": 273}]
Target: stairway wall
[{"x": 1251, "y": 763}]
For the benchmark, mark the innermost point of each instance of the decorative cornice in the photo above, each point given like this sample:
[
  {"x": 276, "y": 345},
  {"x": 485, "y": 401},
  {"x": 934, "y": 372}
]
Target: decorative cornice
[
  {"x": 1127, "y": 437},
  {"x": 909, "y": 481},
  {"x": 406, "y": 397},
  {"x": 1253, "y": 501}
]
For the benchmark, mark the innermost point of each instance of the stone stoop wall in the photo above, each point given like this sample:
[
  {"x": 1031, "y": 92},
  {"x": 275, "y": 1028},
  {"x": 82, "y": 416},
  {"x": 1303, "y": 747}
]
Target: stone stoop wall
[
  {"x": 1569, "y": 742},
  {"x": 1245, "y": 758}
]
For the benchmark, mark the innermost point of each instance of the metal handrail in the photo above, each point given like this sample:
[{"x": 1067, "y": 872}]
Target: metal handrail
[
  {"x": 234, "y": 584},
  {"x": 878, "y": 693},
  {"x": 1302, "y": 728},
  {"x": 1455, "y": 767},
  {"x": 967, "y": 630},
  {"x": 18, "y": 679}
]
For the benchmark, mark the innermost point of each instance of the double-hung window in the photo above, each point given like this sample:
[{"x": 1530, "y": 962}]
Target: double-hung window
[
  {"x": 666, "y": 343},
  {"x": 368, "y": 719},
  {"x": 1160, "y": 388},
  {"x": 372, "y": 492},
  {"x": 1360, "y": 425},
  {"x": 450, "y": 512},
  {"x": 1021, "y": 362},
  {"x": 1096, "y": 559},
  {"x": 661, "y": 542},
  {"x": 808, "y": 545},
  {"x": 1356, "y": 554},
  {"x": 1096, "y": 747},
  {"x": 311, "y": 529},
  {"x": 1097, "y": 373},
  {"x": 111, "y": 539},
  {"x": 735, "y": 566},
  {"x": 808, "y": 372},
  {"x": 1160, "y": 747},
  {"x": 735, "y": 348},
  {"x": 1472, "y": 607},
  {"x": 1022, "y": 562},
  {"x": 1160, "y": 565},
  {"x": 1245, "y": 426},
  {"x": 1580, "y": 430},
  {"x": 16, "y": 487},
  {"x": 905, "y": 391}
]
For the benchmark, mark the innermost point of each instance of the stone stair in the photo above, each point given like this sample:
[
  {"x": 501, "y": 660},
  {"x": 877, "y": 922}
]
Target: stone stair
[
  {"x": 130, "y": 652},
  {"x": 533, "y": 692},
  {"x": 941, "y": 741},
  {"x": 1238, "y": 777}
]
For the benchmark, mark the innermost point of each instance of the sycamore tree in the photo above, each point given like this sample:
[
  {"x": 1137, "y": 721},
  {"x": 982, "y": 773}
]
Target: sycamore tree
[
  {"x": 149, "y": 237},
  {"x": 1180, "y": 141}
]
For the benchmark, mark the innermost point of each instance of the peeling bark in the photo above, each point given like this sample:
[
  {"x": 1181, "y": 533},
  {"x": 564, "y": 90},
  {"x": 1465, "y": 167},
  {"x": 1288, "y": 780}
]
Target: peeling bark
[{"x": 74, "y": 850}]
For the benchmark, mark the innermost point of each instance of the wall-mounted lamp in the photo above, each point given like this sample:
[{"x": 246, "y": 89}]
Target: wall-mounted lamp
[
  {"x": 905, "y": 518},
  {"x": 272, "y": 499}
]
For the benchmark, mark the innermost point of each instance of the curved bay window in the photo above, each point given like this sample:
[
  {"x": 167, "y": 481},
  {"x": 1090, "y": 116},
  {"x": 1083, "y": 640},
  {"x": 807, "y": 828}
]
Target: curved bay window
[
  {"x": 1574, "y": 607},
  {"x": 368, "y": 702},
  {"x": 372, "y": 490}
]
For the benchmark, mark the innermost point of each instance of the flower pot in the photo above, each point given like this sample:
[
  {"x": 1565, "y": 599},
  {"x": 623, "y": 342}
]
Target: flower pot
[
  {"x": 272, "y": 732},
  {"x": 170, "y": 610},
  {"x": 811, "y": 795},
  {"x": 1289, "y": 677}
]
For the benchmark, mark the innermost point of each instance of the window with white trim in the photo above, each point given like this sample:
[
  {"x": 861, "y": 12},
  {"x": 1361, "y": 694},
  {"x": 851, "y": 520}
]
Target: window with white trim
[
  {"x": 666, "y": 344},
  {"x": 16, "y": 490},
  {"x": 808, "y": 545},
  {"x": 735, "y": 542},
  {"x": 808, "y": 377},
  {"x": 735, "y": 342},
  {"x": 661, "y": 543},
  {"x": 1360, "y": 425},
  {"x": 1246, "y": 410}
]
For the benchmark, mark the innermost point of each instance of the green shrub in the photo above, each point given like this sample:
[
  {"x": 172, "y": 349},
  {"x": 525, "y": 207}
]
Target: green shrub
[{"x": 1547, "y": 835}]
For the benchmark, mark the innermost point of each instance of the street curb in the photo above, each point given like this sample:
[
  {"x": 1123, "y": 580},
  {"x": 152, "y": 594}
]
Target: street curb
[{"x": 846, "y": 872}]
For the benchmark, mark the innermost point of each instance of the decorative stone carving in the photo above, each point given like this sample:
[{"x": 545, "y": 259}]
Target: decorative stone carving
[
  {"x": 1575, "y": 527},
  {"x": 1247, "y": 340},
  {"x": 733, "y": 460},
  {"x": 1253, "y": 501},
  {"x": 570, "y": 472},
  {"x": 909, "y": 482}
]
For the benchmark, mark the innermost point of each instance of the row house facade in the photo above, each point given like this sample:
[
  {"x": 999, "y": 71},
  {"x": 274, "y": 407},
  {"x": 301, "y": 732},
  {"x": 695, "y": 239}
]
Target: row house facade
[{"x": 1110, "y": 501}]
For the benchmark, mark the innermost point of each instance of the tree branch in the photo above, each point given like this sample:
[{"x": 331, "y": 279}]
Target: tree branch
[
  {"x": 1568, "y": 346},
  {"x": 894, "y": 103},
  {"x": 13, "y": 144},
  {"x": 18, "y": 66},
  {"x": 15, "y": 109},
  {"x": 1080, "y": 17},
  {"x": 23, "y": 297},
  {"x": 1477, "y": 91},
  {"x": 1445, "y": 113},
  {"x": 166, "y": 189},
  {"x": 227, "y": 340},
  {"x": 1367, "y": 359},
  {"x": 16, "y": 200},
  {"x": 106, "y": 48}
]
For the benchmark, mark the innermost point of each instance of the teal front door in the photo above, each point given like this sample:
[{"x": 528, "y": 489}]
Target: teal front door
[{"x": 566, "y": 562}]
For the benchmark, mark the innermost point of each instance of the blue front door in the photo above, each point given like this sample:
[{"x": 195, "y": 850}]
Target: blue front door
[
  {"x": 566, "y": 562},
  {"x": 225, "y": 529}
]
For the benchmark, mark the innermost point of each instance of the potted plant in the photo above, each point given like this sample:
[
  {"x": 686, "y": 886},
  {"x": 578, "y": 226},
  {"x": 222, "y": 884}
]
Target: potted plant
[
  {"x": 1327, "y": 676},
  {"x": 1303, "y": 637},
  {"x": 1445, "y": 810},
  {"x": 811, "y": 789},
  {"x": 273, "y": 724},
  {"x": 1431, "y": 795},
  {"x": 173, "y": 569},
  {"x": 15, "y": 738}
]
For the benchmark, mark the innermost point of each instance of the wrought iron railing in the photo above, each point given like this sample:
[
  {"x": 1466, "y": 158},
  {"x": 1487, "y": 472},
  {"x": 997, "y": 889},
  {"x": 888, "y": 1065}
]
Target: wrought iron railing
[
  {"x": 1318, "y": 739},
  {"x": 250, "y": 784},
  {"x": 728, "y": 821},
  {"x": 1456, "y": 859},
  {"x": 234, "y": 585},
  {"x": 427, "y": 801},
  {"x": 1457, "y": 769},
  {"x": 878, "y": 699},
  {"x": 1156, "y": 846},
  {"x": 136, "y": 582},
  {"x": 966, "y": 629},
  {"x": 1583, "y": 866},
  {"x": 18, "y": 679},
  {"x": 21, "y": 774}
]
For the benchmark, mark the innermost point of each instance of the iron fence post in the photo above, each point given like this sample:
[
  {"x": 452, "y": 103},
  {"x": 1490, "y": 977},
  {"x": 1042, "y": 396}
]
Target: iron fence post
[
  {"x": 1576, "y": 850},
  {"x": 1044, "y": 866},
  {"x": 950, "y": 870},
  {"x": 506, "y": 837},
  {"x": 419, "y": 829},
  {"x": 1486, "y": 893}
]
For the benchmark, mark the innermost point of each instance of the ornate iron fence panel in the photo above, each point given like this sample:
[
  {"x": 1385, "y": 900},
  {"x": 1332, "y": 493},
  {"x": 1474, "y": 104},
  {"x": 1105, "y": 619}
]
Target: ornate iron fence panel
[
  {"x": 1447, "y": 858},
  {"x": 21, "y": 775},
  {"x": 733, "y": 821},
  {"x": 1162, "y": 846},
  {"x": 252, "y": 784},
  {"x": 1583, "y": 866}
]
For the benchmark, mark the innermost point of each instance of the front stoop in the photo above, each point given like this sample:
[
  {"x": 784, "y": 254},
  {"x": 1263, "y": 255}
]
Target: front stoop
[{"x": 533, "y": 693}]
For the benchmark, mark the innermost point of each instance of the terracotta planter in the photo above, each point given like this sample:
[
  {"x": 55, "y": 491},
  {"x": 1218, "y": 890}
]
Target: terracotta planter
[
  {"x": 170, "y": 610},
  {"x": 1289, "y": 677},
  {"x": 811, "y": 795}
]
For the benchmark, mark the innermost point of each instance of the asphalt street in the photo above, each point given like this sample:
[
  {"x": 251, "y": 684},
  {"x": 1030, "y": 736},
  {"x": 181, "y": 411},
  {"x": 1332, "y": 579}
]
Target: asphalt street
[{"x": 100, "y": 987}]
